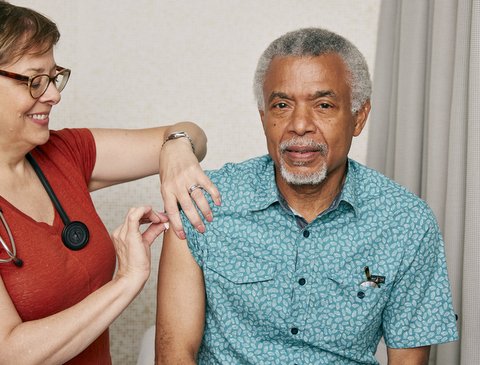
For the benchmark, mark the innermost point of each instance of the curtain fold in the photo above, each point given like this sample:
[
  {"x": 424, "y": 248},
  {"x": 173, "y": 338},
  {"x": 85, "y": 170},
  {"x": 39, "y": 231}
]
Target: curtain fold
[
  {"x": 471, "y": 283},
  {"x": 425, "y": 134}
]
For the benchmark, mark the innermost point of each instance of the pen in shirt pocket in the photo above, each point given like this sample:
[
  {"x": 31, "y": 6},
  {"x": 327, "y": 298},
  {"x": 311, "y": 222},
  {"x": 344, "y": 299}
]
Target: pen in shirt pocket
[{"x": 372, "y": 281}]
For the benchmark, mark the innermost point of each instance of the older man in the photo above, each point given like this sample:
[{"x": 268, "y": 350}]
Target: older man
[{"x": 312, "y": 257}]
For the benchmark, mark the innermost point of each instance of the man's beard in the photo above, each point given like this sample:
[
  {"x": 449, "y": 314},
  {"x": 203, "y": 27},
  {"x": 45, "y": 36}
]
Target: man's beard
[{"x": 312, "y": 178}]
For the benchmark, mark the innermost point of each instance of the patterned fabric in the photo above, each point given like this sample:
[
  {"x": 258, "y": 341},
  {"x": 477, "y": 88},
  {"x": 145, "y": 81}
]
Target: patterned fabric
[
  {"x": 280, "y": 294},
  {"x": 53, "y": 277}
]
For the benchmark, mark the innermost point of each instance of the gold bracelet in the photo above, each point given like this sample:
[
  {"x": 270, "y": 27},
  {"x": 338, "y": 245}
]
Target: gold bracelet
[{"x": 179, "y": 134}]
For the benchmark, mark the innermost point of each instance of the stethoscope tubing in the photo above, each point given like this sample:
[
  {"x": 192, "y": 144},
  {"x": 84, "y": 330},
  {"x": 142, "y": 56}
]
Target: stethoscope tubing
[
  {"x": 12, "y": 254},
  {"x": 48, "y": 189},
  {"x": 75, "y": 235}
]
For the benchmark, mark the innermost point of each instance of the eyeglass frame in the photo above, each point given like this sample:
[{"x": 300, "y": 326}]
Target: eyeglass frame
[{"x": 29, "y": 79}]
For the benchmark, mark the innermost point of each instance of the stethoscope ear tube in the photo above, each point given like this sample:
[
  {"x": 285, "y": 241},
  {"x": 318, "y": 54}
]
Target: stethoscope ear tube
[{"x": 75, "y": 235}]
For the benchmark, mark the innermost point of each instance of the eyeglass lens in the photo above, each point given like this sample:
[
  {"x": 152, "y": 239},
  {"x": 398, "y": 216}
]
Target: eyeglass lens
[{"x": 40, "y": 83}]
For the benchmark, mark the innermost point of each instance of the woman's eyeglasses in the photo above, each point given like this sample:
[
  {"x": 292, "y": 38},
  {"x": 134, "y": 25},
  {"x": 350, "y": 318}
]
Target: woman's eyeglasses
[{"x": 38, "y": 84}]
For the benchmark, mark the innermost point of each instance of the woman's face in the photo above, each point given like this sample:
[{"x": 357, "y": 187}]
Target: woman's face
[{"x": 24, "y": 120}]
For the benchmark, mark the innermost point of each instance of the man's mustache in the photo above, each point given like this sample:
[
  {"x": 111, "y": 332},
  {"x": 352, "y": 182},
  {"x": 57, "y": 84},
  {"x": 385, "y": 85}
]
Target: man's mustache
[{"x": 304, "y": 142}]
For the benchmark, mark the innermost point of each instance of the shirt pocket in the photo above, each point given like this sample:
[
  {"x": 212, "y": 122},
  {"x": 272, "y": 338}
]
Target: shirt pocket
[
  {"x": 243, "y": 287},
  {"x": 349, "y": 308},
  {"x": 346, "y": 290},
  {"x": 240, "y": 270}
]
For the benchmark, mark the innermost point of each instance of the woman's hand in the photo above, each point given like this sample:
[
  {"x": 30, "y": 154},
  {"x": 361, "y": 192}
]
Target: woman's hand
[
  {"x": 132, "y": 246},
  {"x": 143, "y": 152},
  {"x": 61, "y": 336},
  {"x": 183, "y": 183}
]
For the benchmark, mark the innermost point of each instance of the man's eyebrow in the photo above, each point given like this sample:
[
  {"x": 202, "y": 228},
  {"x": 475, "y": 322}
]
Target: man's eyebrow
[
  {"x": 318, "y": 94},
  {"x": 323, "y": 93},
  {"x": 279, "y": 95}
]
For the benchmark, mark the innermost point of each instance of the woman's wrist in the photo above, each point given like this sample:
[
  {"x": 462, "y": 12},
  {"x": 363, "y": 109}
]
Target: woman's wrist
[
  {"x": 177, "y": 135},
  {"x": 131, "y": 285}
]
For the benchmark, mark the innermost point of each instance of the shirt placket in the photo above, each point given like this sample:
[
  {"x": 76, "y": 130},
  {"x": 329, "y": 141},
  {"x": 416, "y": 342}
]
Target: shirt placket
[{"x": 302, "y": 281}]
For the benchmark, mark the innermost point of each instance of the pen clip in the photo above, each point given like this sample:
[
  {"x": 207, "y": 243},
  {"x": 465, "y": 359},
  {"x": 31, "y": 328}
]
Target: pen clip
[{"x": 367, "y": 273}]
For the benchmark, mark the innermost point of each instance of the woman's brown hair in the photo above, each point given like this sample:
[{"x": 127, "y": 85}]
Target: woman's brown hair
[{"x": 24, "y": 31}]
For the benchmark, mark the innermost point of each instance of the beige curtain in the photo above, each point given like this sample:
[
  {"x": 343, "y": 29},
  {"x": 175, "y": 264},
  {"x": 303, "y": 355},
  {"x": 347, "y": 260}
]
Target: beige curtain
[{"x": 425, "y": 134}]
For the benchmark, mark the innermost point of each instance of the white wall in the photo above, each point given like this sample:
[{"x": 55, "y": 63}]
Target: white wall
[{"x": 143, "y": 63}]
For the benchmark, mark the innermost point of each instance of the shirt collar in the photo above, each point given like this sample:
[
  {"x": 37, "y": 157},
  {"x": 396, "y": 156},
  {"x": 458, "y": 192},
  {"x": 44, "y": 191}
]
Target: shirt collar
[
  {"x": 349, "y": 190},
  {"x": 267, "y": 193}
]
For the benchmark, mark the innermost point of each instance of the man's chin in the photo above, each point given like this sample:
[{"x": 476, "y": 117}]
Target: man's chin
[{"x": 304, "y": 178}]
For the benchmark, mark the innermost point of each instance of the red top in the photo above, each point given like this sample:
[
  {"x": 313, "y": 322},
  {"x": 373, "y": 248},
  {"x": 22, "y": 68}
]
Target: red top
[{"x": 54, "y": 277}]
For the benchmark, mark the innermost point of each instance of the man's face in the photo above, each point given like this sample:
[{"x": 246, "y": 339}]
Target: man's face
[{"x": 307, "y": 117}]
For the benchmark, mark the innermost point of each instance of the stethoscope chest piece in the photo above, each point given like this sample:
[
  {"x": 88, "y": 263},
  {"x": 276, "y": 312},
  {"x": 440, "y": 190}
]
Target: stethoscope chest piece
[{"x": 75, "y": 235}]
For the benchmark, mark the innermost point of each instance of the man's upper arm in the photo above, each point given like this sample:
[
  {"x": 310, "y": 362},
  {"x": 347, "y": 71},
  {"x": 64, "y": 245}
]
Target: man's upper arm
[
  {"x": 409, "y": 356},
  {"x": 180, "y": 303},
  {"x": 419, "y": 311}
]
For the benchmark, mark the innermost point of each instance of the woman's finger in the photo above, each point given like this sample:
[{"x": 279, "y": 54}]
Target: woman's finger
[
  {"x": 118, "y": 235},
  {"x": 171, "y": 208},
  {"x": 154, "y": 217},
  {"x": 212, "y": 190},
  {"x": 190, "y": 210},
  {"x": 153, "y": 231},
  {"x": 201, "y": 202}
]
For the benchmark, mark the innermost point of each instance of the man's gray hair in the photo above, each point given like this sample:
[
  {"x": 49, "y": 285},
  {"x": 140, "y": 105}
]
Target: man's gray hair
[{"x": 316, "y": 42}]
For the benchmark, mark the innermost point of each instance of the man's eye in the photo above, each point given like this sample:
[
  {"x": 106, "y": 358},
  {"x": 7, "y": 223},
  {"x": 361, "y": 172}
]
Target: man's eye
[
  {"x": 280, "y": 105},
  {"x": 325, "y": 105}
]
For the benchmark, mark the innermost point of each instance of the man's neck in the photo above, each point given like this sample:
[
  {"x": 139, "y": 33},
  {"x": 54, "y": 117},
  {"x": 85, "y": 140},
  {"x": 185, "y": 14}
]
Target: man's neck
[{"x": 311, "y": 200}]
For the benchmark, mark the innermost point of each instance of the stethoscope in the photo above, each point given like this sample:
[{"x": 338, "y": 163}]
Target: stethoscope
[{"x": 75, "y": 234}]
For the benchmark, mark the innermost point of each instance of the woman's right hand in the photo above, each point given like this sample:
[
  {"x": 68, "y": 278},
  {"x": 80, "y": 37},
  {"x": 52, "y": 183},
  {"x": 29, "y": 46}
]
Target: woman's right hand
[
  {"x": 133, "y": 246},
  {"x": 58, "y": 338}
]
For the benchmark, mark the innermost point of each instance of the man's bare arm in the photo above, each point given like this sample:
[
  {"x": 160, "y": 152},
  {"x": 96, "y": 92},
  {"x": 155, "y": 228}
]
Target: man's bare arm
[
  {"x": 410, "y": 356},
  {"x": 180, "y": 304}
]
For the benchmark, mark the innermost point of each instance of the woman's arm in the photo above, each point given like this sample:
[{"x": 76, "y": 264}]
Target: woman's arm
[
  {"x": 60, "y": 337},
  {"x": 129, "y": 154}
]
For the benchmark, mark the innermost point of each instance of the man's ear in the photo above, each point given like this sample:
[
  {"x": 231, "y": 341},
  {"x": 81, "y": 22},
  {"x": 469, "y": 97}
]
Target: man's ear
[{"x": 361, "y": 118}]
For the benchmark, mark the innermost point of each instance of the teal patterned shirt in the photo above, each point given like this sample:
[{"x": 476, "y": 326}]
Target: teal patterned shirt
[{"x": 280, "y": 292}]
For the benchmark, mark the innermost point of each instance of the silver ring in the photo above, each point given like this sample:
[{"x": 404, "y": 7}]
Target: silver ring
[{"x": 194, "y": 187}]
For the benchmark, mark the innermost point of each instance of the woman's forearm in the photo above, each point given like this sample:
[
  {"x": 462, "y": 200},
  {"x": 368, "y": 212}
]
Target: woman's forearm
[{"x": 58, "y": 338}]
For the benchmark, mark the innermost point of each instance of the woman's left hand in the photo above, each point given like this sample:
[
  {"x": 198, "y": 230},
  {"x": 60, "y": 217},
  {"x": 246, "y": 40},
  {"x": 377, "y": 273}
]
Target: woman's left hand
[
  {"x": 144, "y": 152},
  {"x": 184, "y": 183}
]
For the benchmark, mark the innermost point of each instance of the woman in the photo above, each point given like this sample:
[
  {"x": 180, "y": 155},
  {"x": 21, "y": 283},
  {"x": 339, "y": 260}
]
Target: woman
[{"x": 57, "y": 295}]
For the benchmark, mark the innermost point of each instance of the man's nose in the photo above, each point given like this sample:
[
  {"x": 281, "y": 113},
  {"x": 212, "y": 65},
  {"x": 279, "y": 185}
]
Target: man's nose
[{"x": 302, "y": 120}]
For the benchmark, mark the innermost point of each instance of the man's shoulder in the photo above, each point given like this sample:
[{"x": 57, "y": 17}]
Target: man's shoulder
[
  {"x": 372, "y": 187},
  {"x": 245, "y": 172}
]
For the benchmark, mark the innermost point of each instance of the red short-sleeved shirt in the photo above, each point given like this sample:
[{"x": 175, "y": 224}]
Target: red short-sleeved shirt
[{"x": 54, "y": 277}]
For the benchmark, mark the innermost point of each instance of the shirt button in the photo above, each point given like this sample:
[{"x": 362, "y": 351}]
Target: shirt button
[
  {"x": 302, "y": 281},
  {"x": 294, "y": 331},
  {"x": 361, "y": 294},
  {"x": 306, "y": 233}
]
